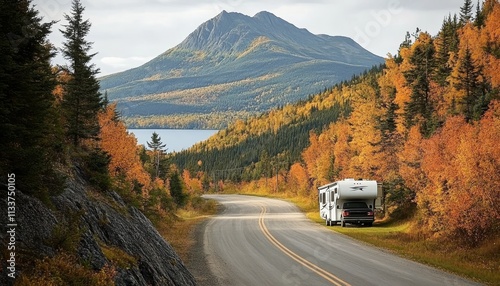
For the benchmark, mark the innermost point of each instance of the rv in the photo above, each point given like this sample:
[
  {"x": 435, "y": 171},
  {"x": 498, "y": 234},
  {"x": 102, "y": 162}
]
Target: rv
[{"x": 349, "y": 201}]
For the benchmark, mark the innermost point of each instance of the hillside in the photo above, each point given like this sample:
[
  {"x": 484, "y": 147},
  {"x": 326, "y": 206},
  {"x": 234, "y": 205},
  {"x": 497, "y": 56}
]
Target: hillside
[
  {"x": 88, "y": 237},
  {"x": 426, "y": 125},
  {"x": 231, "y": 66}
]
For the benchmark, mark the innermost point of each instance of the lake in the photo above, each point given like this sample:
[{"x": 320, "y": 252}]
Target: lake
[{"x": 175, "y": 139}]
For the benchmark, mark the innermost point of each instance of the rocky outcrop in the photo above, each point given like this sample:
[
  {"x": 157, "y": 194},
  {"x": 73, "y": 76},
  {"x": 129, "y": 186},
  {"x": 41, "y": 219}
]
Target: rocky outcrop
[{"x": 97, "y": 221}]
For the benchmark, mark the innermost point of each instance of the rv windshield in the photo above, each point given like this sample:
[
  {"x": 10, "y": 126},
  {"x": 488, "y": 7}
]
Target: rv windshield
[{"x": 355, "y": 205}]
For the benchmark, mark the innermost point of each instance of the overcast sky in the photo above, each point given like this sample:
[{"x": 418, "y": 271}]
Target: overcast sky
[{"x": 128, "y": 33}]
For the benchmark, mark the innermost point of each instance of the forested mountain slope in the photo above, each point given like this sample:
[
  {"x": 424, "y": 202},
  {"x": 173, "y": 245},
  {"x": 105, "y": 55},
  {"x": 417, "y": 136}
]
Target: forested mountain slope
[
  {"x": 231, "y": 66},
  {"x": 427, "y": 125}
]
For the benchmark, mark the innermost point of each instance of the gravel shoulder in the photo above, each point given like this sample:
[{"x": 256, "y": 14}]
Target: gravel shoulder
[{"x": 197, "y": 262}]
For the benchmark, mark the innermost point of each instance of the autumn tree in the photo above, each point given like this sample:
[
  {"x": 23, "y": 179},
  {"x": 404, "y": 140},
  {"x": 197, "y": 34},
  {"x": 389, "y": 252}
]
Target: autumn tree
[
  {"x": 298, "y": 180},
  {"x": 125, "y": 164},
  {"x": 82, "y": 99}
]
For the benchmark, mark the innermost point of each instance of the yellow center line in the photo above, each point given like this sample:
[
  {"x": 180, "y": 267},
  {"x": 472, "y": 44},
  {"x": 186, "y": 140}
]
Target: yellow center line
[{"x": 316, "y": 269}]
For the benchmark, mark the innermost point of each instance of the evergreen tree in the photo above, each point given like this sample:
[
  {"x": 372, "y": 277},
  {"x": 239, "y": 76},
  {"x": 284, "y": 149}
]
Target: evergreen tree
[
  {"x": 447, "y": 42},
  {"x": 480, "y": 17},
  {"x": 27, "y": 117},
  {"x": 468, "y": 81},
  {"x": 466, "y": 12},
  {"x": 177, "y": 188},
  {"x": 158, "y": 149},
  {"x": 419, "y": 79},
  {"x": 82, "y": 99}
]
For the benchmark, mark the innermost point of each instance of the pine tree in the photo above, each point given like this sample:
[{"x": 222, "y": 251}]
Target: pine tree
[
  {"x": 177, "y": 188},
  {"x": 27, "y": 116},
  {"x": 419, "y": 80},
  {"x": 446, "y": 42},
  {"x": 468, "y": 81},
  {"x": 158, "y": 148},
  {"x": 480, "y": 17},
  {"x": 82, "y": 99},
  {"x": 466, "y": 12}
]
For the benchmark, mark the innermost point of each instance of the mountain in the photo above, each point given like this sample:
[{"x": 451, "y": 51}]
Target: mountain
[{"x": 231, "y": 65}]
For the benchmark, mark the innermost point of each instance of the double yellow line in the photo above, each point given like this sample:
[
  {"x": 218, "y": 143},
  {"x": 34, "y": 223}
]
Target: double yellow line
[{"x": 314, "y": 268}]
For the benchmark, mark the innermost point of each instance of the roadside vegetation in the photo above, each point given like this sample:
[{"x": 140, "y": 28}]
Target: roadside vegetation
[
  {"x": 427, "y": 125},
  {"x": 481, "y": 263}
]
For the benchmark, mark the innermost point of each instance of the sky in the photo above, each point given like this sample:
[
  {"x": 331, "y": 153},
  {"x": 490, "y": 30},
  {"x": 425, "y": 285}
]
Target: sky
[{"x": 128, "y": 33}]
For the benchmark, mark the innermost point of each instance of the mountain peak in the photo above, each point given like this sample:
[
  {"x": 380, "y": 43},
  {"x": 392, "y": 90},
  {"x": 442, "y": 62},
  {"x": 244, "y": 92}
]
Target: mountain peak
[
  {"x": 239, "y": 62},
  {"x": 265, "y": 14}
]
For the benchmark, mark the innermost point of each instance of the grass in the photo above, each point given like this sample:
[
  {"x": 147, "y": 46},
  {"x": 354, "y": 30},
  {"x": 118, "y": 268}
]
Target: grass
[
  {"x": 480, "y": 264},
  {"x": 180, "y": 232}
]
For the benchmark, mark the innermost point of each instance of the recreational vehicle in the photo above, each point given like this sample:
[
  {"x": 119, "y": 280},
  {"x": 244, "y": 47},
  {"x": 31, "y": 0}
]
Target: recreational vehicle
[{"x": 349, "y": 201}]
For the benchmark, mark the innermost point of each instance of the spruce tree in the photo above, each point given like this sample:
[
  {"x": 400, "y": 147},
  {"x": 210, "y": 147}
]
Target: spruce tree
[
  {"x": 468, "y": 81},
  {"x": 82, "y": 99},
  {"x": 466, "y": 12},
  {"x": 158, "y": 148},
  {"x": 176, "y": 186},
  {"x": 27, "y": 116},
  {"x": 419, "y": 80}
]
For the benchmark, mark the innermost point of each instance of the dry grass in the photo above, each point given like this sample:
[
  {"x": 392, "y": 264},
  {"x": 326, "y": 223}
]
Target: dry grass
[
  {"x": 180, "y": 233},
  {"x": 481, "y": 264}
]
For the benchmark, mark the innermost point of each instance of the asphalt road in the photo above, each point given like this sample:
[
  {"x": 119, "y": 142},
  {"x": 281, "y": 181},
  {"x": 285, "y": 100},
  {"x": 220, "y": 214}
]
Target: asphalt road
[{"x": 260, "y": 241}]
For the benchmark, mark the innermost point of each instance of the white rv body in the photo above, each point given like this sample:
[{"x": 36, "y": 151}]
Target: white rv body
[{"x": 333, "y": 197}]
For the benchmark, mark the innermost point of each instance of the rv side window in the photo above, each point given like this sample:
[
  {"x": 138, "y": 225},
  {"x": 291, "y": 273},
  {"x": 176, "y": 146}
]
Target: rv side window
[
  {"x": 331, "y": 196},
  {"x": 324, "y": 198}
]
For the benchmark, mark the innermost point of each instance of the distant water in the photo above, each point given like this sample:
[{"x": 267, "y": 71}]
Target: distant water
[{"x": 176, "y": 139}]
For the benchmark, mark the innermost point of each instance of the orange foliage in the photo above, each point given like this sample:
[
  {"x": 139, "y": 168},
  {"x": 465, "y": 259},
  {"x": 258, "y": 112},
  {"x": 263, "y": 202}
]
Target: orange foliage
[
  {"x": 298, "y": 179},
  {"x": 462, "y": 169},
  {"x": 193, "y": 184},
  {"x": 123, "y": 149},
  {"x": 491, "y": 34}
]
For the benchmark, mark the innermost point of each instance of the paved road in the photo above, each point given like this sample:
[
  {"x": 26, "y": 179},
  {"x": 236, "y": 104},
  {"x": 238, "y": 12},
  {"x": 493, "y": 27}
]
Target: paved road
[{"x": 260, "y": 241}]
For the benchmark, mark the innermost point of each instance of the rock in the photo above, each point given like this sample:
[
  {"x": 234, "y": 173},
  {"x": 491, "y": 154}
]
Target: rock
[{"x": 97, "y": 221}]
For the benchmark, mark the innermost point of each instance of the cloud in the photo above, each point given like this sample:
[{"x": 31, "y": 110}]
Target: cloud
[{"x": 126, "y": 33}]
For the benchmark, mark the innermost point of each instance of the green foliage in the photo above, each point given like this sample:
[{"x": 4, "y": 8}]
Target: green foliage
[
  {"x": 420, "y": 107},
  {"x": 468, "y": 81},
  {"x": 118, "y": 257},
  {"x": 158, "y": 149},
  {"x": 246, "y": 162},
  {"x": 94, "y": 164},
  {"x": 399, "y": 199},
  {"x": 28, "y": 121},
  {"x": 82, "y": 99},
  {"x": 66, "y": 235},
  {"x": 176, "y": 186},
  {"x": 466, "y": 12}
]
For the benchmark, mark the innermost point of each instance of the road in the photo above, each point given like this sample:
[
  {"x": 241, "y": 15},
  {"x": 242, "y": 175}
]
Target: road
[{"x": 261, "y": 241}]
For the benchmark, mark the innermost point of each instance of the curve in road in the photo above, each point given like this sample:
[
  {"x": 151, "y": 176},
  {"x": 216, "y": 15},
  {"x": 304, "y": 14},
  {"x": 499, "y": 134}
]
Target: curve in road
[{"x": 261, "y": 241}]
